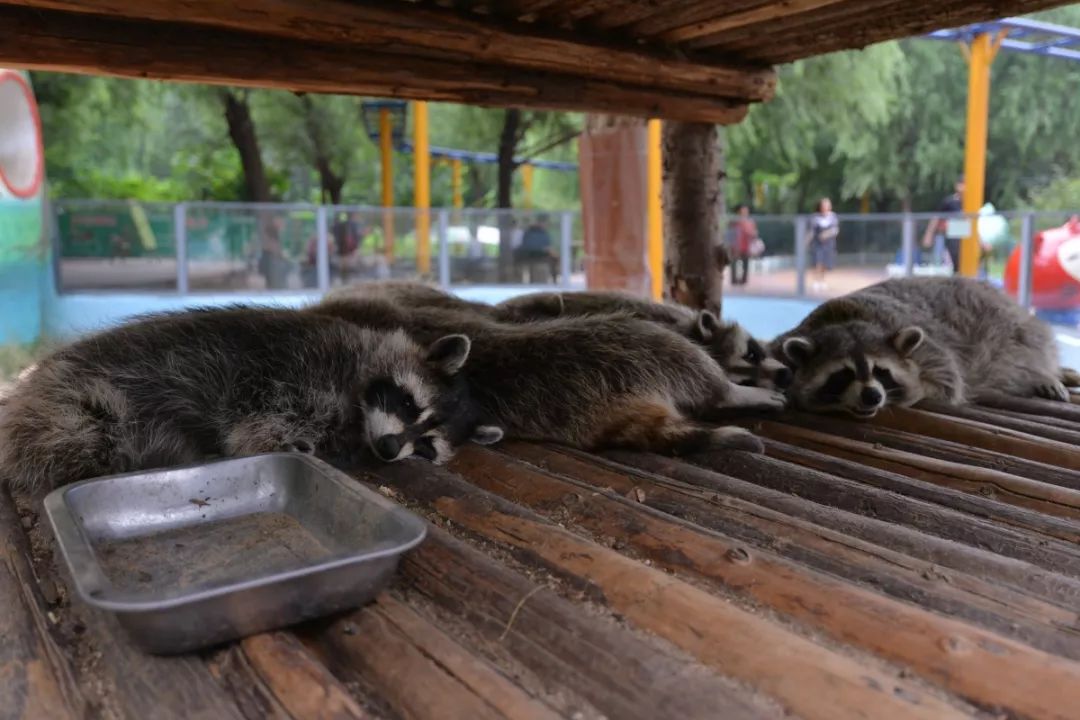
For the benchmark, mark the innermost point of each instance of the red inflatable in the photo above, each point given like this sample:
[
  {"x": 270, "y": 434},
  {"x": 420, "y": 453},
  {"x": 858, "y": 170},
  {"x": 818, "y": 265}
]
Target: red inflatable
[{"x": 1055, "y": 282}]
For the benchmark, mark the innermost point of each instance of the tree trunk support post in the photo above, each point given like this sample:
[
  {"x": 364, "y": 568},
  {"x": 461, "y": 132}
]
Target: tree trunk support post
[
  {"x": 386, "y": 155},
  {"x": 422, "y": 180},
  {"x": 692, "y": 200},
  {"x": 980, "y": 55},
  {"x": 654, "y": 208}
]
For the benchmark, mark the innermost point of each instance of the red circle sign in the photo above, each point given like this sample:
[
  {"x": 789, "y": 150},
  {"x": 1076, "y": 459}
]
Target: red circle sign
[{"x": 22, "y": 154}]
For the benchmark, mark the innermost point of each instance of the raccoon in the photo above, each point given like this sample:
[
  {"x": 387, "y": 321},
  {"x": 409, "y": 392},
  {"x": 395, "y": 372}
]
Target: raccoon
[
  {"x": 178, "y": 388},
  {"x": 745, "y": 360},
  {"x": 410, "y": 294},
  {"x": 589, "y": 382},
  {"x": 905, "y": 340}
]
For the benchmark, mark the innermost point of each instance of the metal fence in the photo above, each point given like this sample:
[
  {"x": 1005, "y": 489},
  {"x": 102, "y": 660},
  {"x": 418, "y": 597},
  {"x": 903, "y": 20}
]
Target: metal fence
[
  {"x": 873, "y": 247},
  {"x": 232, "y": 247}
]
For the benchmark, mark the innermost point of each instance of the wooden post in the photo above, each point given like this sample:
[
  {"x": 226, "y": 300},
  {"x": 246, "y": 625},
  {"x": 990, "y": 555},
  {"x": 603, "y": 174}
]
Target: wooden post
[{"x": 693, "y": 194}]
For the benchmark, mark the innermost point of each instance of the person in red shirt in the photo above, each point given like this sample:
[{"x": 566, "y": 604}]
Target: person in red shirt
[{"x": 743, "y": 232}]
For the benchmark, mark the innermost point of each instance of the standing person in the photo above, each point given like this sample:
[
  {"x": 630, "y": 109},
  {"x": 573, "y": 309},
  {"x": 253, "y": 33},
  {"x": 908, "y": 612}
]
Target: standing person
[
  {"x": 949, "y": 233},
  {"x": 744, "y": 232},
  {"x": 824, "y": 229},
  {"x": 537, "y": 249}
]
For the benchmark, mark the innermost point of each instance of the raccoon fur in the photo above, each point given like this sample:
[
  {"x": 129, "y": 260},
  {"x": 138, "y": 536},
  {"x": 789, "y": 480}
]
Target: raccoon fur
[
  {"x": 745, "y": 360},
  {"x": 179, "y": 388},
  {"x": 409, "y": 294},
  {"x": 589, "y": 382},
  {"x": 905, "y": 340}
]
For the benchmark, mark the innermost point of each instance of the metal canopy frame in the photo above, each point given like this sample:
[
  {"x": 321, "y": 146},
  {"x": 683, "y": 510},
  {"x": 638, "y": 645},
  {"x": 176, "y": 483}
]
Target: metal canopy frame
[
  {"x": 981, "y": 43},
  {"x": 1021, "y": 35}
]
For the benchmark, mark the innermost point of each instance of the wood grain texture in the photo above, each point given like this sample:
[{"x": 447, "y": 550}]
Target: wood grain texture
[
  {"x": 70, "y": 42},
  {"x": 413, "y": 30},
  {"x": 36, "y": 680},
  {"x": 867, "y": 525},
  {"x": 570, "y": 649},
  {"x": 736, "y": 642},
  {"x": 920, "y": 640},
  {"x": 951, "y": 592},
  {"x": 303, "y": 686}
]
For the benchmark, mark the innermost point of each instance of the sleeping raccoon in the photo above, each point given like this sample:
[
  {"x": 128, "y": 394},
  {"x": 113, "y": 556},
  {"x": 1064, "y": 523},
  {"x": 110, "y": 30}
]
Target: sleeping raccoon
[
  {"x": 178, "y": 388},
  {"x": 903, "y": 340},
  {"x": 745, "y": 360},
  {"x": 590, "y": 382},
  {"x": 409, "y": 294}
]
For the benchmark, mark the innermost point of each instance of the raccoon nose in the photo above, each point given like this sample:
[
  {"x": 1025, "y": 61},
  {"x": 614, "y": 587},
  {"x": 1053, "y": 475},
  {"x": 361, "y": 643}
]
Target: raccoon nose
[
  {"x": 782, "y": 378},
  {"x": 387, "y": 447},
  {"x": 871, "y": 397}
]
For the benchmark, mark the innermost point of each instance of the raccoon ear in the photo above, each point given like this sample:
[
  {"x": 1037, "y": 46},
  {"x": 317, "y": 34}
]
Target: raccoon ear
[
  {"x": 907, "y": 340},
  {"x": 449, "y": 353},
  {"x": 487, "y": 434},
  {"x": 797, "y": 349},
  {"x": 706, "y": 325}
]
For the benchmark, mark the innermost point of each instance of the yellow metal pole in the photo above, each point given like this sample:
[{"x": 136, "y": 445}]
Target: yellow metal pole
[
  {"x": 980, "y": 56},
  {"x": 422, "y": 172},
  {"x": 527, "y": 183},
  {"x": 386, "y": 152},
  {"x": 864, "y": 203},
  {"x": 655, "y": 211},
  {"x": 455, "y": 182},
  {"x": 759, "y": 195}
]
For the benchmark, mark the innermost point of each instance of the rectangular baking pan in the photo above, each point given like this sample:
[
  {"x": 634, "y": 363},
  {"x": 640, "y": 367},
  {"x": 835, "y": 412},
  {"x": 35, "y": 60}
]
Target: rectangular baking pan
[{"x": 193, "y": 556}]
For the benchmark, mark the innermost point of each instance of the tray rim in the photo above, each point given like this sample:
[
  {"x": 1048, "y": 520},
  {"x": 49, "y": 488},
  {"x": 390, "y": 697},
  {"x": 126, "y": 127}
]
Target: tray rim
[{"x": 73, "y": 543}]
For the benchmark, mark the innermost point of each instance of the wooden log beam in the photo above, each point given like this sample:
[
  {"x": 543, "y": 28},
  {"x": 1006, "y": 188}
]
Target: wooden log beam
[
  {"x": 69, "y": 42},
  {"x": 841, "y": 28},
  {"x": 973, "y": 503},
  {"x": 1018, "y": 491},
  {"x": 421, "y": 673},
  {"x": 585, "y": 660},
  {"x": 1027, "y": 425},
  {"x": 1021, "y": 575},
  {"x": 232, "y": 670},
  {"x": 882, "y": 504},
  {"x": 759, "y": 14},
  {"x": 953, "y": 593},
  {"x": 35, "y": 678},
  {"x": 850, "y": 614},
  {"x": 936, "y": 448},
  {"x": 414, "y": 30},
  {"x": 980, "y": 435},
  {"x": 736, "y": 642},
  {"x": 693, "y": 197},
  {"x": 303, "y": 686}
]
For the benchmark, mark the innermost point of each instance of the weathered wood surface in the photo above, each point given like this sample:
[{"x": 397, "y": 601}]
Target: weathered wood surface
[
  {"x": 921, "y": 570},
  {"x": 70, "y": 42},
  {"x": 690, "y": 60},
  {"x": 375, "y": 27}
]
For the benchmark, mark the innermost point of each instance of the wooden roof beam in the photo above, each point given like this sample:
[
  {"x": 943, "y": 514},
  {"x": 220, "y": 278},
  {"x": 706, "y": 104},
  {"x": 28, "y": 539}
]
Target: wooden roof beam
[
  {"x": 428, "y": 32},
  {"x": 70, "y": 42}
]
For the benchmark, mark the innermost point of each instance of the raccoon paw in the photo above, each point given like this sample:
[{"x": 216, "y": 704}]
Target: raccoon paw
[
  {"x": 1053, "y": 391},
  {"x": 744, "y": 396},
  {"x": 300, "y": 445},
  {"x": 735, "y": 438}
]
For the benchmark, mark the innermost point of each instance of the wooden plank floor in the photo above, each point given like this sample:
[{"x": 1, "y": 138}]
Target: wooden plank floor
[{"x": 924, "y": 565}]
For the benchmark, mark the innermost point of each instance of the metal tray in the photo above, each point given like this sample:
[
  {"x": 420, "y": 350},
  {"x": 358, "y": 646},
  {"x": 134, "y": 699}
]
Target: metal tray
[{"x": 192, "y": 556}]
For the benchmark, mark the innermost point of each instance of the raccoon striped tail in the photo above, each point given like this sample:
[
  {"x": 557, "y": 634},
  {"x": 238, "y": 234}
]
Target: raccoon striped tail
[
  {"x": 1070, "y": 377},
  {"x": 655, "y": 426}
]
